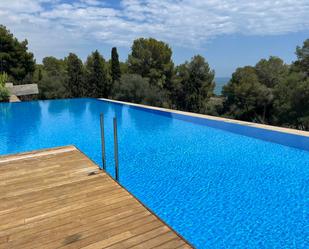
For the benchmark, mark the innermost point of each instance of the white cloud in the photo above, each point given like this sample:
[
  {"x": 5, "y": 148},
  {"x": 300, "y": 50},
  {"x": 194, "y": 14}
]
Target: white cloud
[
  {"x": 20, "y": 6},
  {"x": 51, "y": 25}
]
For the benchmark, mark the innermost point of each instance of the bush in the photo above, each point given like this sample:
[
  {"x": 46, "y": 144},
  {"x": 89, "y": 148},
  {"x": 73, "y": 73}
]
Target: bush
[
  {"x": 4, "y": 93},
  {"x": 214, "y": 106},
  {"x": 134, "y": 88},
  {"x": 3, "y": 79}
]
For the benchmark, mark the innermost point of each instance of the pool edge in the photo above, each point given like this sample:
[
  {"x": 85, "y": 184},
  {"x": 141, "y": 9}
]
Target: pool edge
[{"x": 209, "y": 117}]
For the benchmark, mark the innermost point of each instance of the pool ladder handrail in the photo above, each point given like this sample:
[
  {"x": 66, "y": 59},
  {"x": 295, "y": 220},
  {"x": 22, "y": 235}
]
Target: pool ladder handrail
[
  {"x": 115, "y": 146},
  {"x": 102, "y": 141}
]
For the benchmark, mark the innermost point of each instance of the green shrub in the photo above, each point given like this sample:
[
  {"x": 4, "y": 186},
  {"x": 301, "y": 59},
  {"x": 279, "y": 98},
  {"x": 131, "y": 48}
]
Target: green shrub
[
  {"x": 4, "y": 92},
  {"x": 3, "y": 79},
  {"x": 134, "y": 88}
]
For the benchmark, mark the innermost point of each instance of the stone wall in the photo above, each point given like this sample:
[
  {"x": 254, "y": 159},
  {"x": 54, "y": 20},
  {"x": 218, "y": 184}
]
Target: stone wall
[{"x": 21, "y": 90}]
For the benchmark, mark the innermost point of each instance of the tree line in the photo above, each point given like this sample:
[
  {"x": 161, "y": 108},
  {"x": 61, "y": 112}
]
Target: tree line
[{"x": 271, "y": 92}]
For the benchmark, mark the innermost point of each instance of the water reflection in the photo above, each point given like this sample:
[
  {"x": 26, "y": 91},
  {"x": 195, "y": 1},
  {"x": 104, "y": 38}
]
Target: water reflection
[
  {"x": 4, "y": 113},
  {"x": 76, "y": 107},
  {"x": 149, "y": 122},
  {"x": 119, "y": 113},
  {"x": 96, "y": 107},
  {"x": 19, "y": 122},
  {"x": 110, "y": 111},
  {"x": 56, "y": 107},
  {"x": 40, "y": 124}
]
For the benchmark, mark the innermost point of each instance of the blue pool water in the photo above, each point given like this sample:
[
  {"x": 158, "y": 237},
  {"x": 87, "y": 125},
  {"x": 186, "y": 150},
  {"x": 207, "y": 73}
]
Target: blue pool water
[{"x": 217, "y": 188}]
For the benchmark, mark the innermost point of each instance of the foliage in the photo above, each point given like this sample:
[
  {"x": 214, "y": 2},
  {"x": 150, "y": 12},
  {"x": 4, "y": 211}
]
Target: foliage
[
  {"x": 131, "y": 87},
  {"x": 115, "y": 66},
  {"x": 271, "y": 72},
  {"x": 14, "y": 58},
  {"x": 270, "y": 92},
  {"x": 38, "y": 73},
  {"x": 249, "y": 94},
  {"x": 3, "y": 79},
  {"x": 291, "y": 105},
  {"x": 40, "y": 76},
  {"x": 246, "y": 97},
  {"x": 124, "y": 68},
  {"x": 193, "y": 85},
  {"x": 97, "y": 80},
  {"x": 152, "y": 59},
  {"x": 214, "y": 106},
  {"x": 134, "y": 88},
  {"x": 74, "y": 82},
  {"x": 54, "y": 78},
  {"x": 4, "y": 92},
  {"x": 302, "y": 62}
]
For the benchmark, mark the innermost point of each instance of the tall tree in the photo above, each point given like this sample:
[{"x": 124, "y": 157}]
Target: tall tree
[
  {"x": 15, "y": 59},
  {"x": 291, "y": 102},
  {"x": 272, "y": 71},
  {"x": 303, "y": 58},
  {"x": 194, "y": 84},
  {"x": 134, "y": 88},
  {"x": 98, "y": 83},
  {"x": 152, "y": 59},
  {"x": 115, "y": 65},
  {"x": 246, "y": 97},
  {"x": 40, "y": 76},
  {"x": 54, "y": 78},
  {"x": 250, "y": 93},
  {"x": 74, "y": 84}
]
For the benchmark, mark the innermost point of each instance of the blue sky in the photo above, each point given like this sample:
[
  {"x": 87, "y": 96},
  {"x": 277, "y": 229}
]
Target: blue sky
[{"x": 228, "y": 33}]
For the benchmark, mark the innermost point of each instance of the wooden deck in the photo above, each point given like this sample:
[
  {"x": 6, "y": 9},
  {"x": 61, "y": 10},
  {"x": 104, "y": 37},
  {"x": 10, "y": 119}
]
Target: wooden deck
[{"x": 58, "y": 198}]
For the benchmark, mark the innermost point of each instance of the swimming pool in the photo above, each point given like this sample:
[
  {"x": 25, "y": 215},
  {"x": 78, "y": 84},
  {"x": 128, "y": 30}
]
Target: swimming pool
[{"x": 212, "y": 182}]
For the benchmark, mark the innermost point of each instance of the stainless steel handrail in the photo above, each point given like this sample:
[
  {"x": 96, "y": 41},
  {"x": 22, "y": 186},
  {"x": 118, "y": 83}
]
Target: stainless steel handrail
[
  {"x": 116, "y": 150},
  {"x": 115, "y": 146},
  {"x": 103, "y": 141}
]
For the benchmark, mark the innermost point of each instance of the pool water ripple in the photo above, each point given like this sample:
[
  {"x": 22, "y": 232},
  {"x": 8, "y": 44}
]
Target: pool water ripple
[{"x": 216, "y": 188}]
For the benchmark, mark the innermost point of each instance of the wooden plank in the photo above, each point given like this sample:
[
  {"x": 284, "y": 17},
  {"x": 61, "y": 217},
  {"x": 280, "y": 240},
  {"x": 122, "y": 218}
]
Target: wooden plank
[
  {"x": 59, "y": 220},
  {"x": 60, "y": 199},
  {"x": 157, "y": 241},
  {"x": 56, "y": 192},
  {"x": 142, "y": 237}
]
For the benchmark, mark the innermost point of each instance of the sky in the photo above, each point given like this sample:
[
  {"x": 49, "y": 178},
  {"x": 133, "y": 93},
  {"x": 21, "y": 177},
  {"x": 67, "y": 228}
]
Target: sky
[{"x": 228, "y": 33}]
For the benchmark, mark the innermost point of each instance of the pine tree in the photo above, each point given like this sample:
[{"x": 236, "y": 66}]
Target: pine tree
[
  {"x": 15, "y": 59},
  {"x": 195, "y": 84},
  {"x": 40, "y": 76},
  {"x": 115, "y": 66},
  {"x": 98, "y": 84},
  {"x": 152, "y": 59},
  {"x": 74, "y": 84}
]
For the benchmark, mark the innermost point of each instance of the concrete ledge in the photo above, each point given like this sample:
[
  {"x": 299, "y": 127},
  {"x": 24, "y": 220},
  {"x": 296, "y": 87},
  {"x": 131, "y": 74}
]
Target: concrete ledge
[
  {"x": 234, "y": 121},
  {"x": 20, "y": 90},
  {"x": 14, "y": 98}
]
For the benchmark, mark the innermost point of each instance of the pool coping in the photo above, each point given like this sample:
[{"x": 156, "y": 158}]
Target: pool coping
[
  {"x": 35, "y": 153},
  {"x": 209, "y": 117}
]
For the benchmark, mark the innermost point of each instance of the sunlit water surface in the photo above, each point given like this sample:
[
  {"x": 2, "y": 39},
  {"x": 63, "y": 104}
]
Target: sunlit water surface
[{"x": 216, "y": 188}]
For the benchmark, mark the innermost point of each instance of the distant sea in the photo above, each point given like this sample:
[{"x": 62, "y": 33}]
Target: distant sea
[{"x": 220, "y": 82}]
